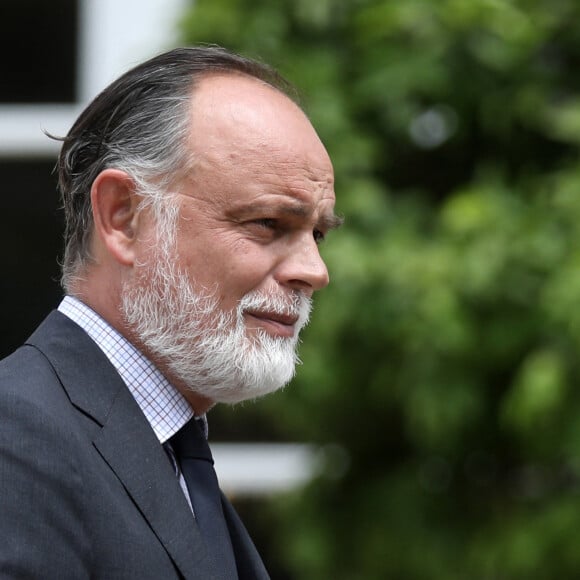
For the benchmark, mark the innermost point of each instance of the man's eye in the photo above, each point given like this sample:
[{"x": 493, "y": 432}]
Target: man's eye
[{"x": 268, "y": 223}]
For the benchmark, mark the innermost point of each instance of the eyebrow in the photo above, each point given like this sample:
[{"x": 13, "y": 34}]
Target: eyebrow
[{"x": 329, "y": 221}]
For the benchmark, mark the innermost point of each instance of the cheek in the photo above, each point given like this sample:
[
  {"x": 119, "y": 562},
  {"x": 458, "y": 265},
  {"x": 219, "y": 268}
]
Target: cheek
[
  {"x": 246, "y": 268},
  {"x": 229, "y": 263}
]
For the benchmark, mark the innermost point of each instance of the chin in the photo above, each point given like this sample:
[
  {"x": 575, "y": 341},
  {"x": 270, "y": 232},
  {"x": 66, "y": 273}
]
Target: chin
[{"x": 233, "y": 394}]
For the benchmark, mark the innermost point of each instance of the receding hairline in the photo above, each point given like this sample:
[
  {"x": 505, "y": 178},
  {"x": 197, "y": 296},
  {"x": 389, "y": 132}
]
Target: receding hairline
[
  {"x": 288, "y": 93},
  {"x": 199, "y": 79}
]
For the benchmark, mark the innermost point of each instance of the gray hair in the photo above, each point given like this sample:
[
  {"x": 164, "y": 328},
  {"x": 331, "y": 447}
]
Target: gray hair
[{"x": 139, "y": 124}]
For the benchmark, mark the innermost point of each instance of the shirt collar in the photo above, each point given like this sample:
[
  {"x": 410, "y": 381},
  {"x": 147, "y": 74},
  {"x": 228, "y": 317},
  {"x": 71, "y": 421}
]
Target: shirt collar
[{"x": 164, "y": 407}]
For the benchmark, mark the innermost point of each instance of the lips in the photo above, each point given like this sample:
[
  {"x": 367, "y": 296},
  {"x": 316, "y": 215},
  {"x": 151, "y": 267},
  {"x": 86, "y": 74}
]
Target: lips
[{"x": 274, "y": 322}]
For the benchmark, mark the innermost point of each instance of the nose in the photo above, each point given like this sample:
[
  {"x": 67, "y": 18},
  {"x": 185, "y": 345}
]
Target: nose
[{"x": 303, "y": 268}]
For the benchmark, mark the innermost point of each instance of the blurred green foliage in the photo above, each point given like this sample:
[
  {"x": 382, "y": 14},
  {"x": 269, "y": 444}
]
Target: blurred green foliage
[{"x": 441, "y": 369}]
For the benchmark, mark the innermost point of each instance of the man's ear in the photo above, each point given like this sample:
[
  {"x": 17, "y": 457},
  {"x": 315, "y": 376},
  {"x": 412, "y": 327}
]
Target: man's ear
[{"x": 114, "y": 202}]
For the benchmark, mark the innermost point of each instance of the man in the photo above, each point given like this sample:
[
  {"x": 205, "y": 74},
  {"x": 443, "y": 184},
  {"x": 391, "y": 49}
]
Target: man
[{"x": 195, "y": 193}]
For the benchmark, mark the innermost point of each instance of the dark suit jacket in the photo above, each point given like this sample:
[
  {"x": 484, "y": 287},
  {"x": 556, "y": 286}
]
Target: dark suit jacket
[{"x": 86, "y": 490}]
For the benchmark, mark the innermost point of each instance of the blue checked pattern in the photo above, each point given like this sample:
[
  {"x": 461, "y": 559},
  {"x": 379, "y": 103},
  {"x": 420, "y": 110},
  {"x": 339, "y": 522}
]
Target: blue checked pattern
[{"x": 162, "y": 404}]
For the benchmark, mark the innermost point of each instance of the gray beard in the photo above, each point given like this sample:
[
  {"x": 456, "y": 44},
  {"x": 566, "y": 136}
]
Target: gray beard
[{"x": 204, "y": 348}]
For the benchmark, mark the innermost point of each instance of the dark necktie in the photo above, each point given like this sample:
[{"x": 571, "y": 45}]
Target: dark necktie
[{"x": 196, "y": 462}]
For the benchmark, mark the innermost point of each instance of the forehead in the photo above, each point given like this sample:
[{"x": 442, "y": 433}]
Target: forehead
[
  {"x": 242, "y": 119},
  {"x": 251, "y": 143}
]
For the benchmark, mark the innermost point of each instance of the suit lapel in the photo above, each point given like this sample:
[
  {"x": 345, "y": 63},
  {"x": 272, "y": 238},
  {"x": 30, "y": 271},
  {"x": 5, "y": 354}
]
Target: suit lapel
[
  {"x": 125, "y": 440},
  {"x": 134, "y": 454},
  {"x": 249, "y": 562}
]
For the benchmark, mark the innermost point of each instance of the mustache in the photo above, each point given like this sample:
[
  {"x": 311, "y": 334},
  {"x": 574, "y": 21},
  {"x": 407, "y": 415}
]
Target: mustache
[{"x": 293, "y": 304}]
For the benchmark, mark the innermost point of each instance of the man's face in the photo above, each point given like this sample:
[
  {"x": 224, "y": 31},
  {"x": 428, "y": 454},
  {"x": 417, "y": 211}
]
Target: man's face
[{"x": 250, "y": 216}]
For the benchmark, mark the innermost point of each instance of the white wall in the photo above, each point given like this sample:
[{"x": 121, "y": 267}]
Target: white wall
[
  {"x": 118, "y": 34},
  {"x": 114, "y": 36}
]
